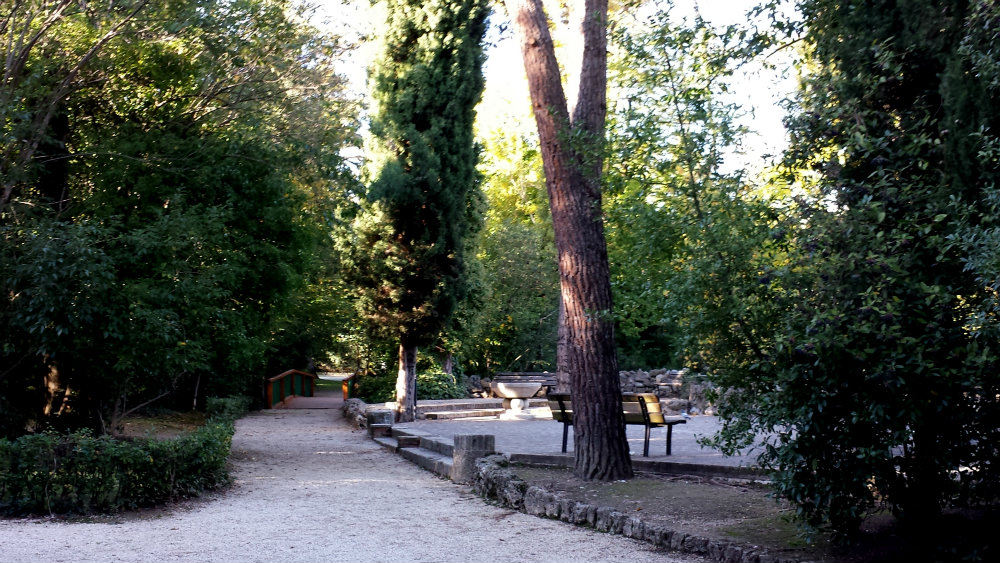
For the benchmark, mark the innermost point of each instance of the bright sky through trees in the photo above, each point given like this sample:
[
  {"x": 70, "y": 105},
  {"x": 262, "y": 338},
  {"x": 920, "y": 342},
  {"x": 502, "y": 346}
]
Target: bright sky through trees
[
  {"x": 505, "y": 101},
  {"x": 759, "y": 91}
]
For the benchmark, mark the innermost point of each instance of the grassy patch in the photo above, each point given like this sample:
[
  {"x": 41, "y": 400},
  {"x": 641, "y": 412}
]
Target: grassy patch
[
  {"x": 327, "y": 385},
  {"x": 166, "y": 424}
]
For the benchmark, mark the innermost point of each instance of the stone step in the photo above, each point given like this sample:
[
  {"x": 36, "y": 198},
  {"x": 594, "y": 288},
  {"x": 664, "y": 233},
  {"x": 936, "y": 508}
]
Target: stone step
[
  {"x": 459, "y": 405},
  {"x": 469, "y": 404},
  {"x": 443, "y": 446},
  {"x": 429, "y": 460},
  {"x": 414, "y": 438},
  {"x": 388, "y": 443},
  {"x": 451, "y": 415},
  {"x": 398, "y": 432}
]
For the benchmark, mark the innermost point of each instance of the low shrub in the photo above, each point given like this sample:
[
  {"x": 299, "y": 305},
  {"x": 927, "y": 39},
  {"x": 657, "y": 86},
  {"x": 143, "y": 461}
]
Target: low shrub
[
  {"x": 381, "y": 388},
  {"x": 80, "y": 473},
  {"x": 377, "y": 388},
  {"x": 437, "y": 385},
  {"x": 229, "y": 408}
]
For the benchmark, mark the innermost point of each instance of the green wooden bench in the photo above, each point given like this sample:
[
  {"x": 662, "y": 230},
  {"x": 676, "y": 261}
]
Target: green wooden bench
[{"x": 638, "y": 408}]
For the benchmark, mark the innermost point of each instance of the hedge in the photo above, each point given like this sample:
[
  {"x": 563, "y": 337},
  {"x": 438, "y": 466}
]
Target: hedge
[{"x": 80, "y": 473}]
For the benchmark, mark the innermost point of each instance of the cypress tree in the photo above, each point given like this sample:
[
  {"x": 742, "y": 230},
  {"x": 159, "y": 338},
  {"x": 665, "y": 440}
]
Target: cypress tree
[{"x": 422, "y": 202}]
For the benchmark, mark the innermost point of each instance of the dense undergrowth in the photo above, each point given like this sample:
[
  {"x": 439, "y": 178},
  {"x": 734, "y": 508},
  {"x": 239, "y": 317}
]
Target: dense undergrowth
[
  {"x": 52, "y": 473},
  {"x": 381, "y": 388}
]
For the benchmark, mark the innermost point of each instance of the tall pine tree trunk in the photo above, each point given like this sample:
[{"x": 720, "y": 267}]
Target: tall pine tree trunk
[
  {"x": 571, "y": 157},
  {"x": 562, "y": 349},
  {"x": 406, "y": 383}
]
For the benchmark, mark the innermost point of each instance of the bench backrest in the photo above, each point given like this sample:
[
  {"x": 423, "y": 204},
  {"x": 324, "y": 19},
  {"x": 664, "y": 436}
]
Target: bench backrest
[
  {"x": 561, "y": 407},
  {"x": 640, "y": 407},
  {"x": 636, "y": 407}
]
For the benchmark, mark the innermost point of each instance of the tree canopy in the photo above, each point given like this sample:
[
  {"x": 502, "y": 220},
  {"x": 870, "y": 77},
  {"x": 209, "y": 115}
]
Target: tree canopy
[
  {"x": 855, "y": 333},
  {"x": 165, "y": 184},
  {"x": 178, "y": 219}
]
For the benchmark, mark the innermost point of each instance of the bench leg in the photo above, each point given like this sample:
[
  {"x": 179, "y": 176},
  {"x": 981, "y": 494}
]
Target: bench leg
[
  {"x": 645, "y": 445},
  {"x": 565, "y": 433},
  {"x": 670, "y": 435}
]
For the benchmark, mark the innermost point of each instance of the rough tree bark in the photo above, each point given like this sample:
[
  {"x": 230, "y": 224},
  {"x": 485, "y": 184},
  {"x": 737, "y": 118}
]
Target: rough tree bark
[
  {"x": 406, "y": 383},
  {"x": 562, "y": 348},
  {"x": 571, "y": 158}
]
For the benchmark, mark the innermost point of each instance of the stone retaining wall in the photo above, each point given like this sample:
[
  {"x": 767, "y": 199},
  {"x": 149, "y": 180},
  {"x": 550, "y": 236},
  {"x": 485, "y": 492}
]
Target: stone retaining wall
[
  {"x": 354, "y": 411},
  {"x": 679, "y": 391},
  {"x": 494, "y": 481}
]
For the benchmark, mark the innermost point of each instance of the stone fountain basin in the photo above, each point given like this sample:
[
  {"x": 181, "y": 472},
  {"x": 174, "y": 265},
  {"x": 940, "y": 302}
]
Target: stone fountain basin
[{"x": 516, "y": 390}]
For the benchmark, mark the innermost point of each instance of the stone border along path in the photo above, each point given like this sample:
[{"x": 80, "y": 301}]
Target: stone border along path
[
  {"x": 444, "y": 454},
  {"x": 309, "y": 488},
  {"x": 495, "y": 481}
]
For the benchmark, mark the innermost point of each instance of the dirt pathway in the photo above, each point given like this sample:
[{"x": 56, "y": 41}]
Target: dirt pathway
[{"x": 308, "y": 488}]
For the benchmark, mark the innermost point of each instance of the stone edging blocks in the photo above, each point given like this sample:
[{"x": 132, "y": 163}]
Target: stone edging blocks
[{"x": 494, "y": 481}]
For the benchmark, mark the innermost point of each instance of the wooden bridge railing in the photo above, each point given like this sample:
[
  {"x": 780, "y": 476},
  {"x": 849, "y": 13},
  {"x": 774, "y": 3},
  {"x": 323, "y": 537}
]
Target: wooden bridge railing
[
  {"x": 292, "y": 383},
  {"x": 349, "y": 385}
]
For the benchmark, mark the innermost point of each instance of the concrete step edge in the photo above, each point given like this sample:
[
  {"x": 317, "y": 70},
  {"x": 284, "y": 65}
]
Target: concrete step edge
[
  {"x": 459, "y": 405},
  {"x": 451, "y": 415},
  {"x": 429, "y": 460},
  {"x": 443, "y": 446},
  {"x": 473, "y": 405},
  {"x": 397, "y": 431},
  {"x": 387, "y": 443}
]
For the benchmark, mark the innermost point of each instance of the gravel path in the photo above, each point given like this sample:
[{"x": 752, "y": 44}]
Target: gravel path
[{"x": 308, "y": 488}]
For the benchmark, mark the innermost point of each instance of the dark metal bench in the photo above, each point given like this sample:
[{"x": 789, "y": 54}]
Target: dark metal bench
[{"x": 637, "y": 408}]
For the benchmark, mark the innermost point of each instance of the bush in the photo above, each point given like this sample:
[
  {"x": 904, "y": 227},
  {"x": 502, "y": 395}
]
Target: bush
[
  {"x": 377, "y": 388},
  {"x": 434, "y": 385},
  {"x": 79, "y": 473},
  {"x": 381, "y": 388},
  {"x": 228, "y": 408}
]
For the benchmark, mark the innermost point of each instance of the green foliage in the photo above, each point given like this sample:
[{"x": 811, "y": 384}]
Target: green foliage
[
  {"x": 50, "y": 473},
  {"x": 439, "y": 385},
  {"x": 514, "y": 325},
  {"x": 167, "y": 239},
  {"x": 668, "y": 134},
  {"x": 848, "y": 324},
  {"x": 377, "y": 387},
  {"x": 406, "y": 248},
  {"x": 227, "y": 408}
]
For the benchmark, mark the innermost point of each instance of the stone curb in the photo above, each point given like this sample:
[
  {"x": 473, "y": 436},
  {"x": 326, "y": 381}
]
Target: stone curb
[{"x": 494, "y": 481}]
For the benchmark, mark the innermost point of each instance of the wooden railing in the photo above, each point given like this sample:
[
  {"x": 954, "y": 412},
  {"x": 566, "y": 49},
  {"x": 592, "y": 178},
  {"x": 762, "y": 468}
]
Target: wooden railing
[
  {"x": 292, "y": 383},
  {"x": 348, "y": 386}
]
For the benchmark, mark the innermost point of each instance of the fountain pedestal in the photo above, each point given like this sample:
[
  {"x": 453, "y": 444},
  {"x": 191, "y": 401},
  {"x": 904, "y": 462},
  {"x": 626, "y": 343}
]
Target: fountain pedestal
[{"x": 515, "y": 395}]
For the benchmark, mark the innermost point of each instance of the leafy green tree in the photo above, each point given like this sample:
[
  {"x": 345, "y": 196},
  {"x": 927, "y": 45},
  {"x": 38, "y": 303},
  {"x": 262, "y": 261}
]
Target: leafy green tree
[
  {"x": 870, "y": 375},
  {"x": 669, "y": 133},
  {"x": 514, "y": 329},
  {"x": 408, "y": 243},
  {"x": 161, "y": 233}
]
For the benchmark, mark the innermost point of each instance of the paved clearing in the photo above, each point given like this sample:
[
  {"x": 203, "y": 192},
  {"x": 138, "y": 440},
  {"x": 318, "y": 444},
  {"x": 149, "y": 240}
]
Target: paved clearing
[{"x": 308, "y": 488}]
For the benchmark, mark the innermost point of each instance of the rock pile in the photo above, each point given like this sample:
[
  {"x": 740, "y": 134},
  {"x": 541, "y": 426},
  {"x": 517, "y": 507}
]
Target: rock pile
[{"x": 679, "y": 391}]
